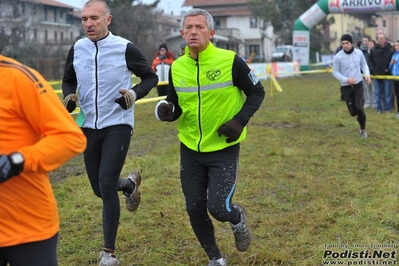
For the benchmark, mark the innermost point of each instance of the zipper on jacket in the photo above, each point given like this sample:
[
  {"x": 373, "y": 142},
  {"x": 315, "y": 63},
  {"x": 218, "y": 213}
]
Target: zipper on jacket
[
  {"x": 199, "y": 104},
  {"x": 96, "y": 75}
]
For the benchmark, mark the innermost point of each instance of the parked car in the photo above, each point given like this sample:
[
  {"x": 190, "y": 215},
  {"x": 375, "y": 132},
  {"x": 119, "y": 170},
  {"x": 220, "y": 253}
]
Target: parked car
[{"x": 283, "y": 53}]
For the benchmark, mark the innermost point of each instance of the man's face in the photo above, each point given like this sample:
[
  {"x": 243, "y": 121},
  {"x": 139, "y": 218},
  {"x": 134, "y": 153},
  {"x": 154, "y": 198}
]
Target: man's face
[
  {"x": 95, "y": 21},
  {"x": 381, "y": 40},
  {"x": 346, "y": 45},
  {"x": 196, "y": 33},
  {"x": 365, "y": 41}
]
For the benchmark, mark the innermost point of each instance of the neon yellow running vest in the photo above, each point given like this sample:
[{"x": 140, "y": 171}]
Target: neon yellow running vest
[{"x": 207, "y": 98}]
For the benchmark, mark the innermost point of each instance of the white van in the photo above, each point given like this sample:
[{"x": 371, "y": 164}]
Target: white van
[{"x": 278, "y": 54}]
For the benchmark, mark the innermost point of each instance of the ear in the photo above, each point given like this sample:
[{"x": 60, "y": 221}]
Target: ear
[
  {"x": 212, "y": 33},
  {"x": 109, "y": 18}
]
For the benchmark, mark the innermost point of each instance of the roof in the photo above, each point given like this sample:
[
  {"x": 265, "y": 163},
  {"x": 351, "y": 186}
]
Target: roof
[
  {"x": 221, "y": 8},
  {"x": 177, "y": 35},
  {"x": 50, "y": 3},
  {"x": 198, "y": 3}
]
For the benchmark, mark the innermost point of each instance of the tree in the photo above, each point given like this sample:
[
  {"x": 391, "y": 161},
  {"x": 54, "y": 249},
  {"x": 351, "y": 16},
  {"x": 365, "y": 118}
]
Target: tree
[{"x": 137, "y": 23}]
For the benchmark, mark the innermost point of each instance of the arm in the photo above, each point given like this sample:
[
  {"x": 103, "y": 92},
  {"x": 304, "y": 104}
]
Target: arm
[
  {"x": 169, "y": 109},
  {"x": 371, "y": 62},
  {"x": 364, "y": 66},
  {"x": 69, "y": 81},
  {"x": 247, "y": 81},
  {"x": 138, "y": 64},
  {"x": 337, "y": 70},
  {"x": 51, "y": 136}
]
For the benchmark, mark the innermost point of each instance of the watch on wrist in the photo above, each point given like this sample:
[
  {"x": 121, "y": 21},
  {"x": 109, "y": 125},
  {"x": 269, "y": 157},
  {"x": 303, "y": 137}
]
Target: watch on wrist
[{"x": 17, "y": 159}]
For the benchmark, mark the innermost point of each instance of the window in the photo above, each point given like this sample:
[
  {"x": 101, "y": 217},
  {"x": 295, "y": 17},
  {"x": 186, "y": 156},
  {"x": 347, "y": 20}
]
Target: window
[
  {"x": 216, "y": 24},
  {"x": 62, "y": 36},
  {"x": 46, "y": 36},
  {"x": 35, "y": 34},
  {"x": 71, "y": 35},
  {"x": 55, "y": 36},
  {"x": 384, "y": 23},
  {"x": 253, "y": 22}
]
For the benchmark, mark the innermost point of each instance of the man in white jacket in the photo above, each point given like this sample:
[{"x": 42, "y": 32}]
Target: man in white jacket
[{"x": 347, "y": 66}]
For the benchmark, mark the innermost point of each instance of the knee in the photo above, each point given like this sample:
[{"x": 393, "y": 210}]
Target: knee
[
  {"x": 220, "y": 214},
  {"x": 196, "y": 210},
  {"x": 97, "y": 192}
]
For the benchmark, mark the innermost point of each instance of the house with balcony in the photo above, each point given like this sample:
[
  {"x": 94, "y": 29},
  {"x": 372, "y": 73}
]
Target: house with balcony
[
  {"x": 45, "y": 22},
  {"x": 357, "y": 25},
  {"x": 237, "y": 29}
]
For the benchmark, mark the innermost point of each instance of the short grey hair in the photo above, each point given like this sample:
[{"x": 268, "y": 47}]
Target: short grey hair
[{"x": 197, "y": 12}]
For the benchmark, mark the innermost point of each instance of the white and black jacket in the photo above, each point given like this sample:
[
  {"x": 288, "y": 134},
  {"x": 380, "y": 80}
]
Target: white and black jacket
[{"x": 98, "y": 70}]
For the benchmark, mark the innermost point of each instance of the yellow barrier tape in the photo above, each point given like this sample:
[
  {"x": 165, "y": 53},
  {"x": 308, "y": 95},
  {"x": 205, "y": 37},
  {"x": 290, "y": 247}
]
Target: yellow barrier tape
[{"x": 275, "y": 83}]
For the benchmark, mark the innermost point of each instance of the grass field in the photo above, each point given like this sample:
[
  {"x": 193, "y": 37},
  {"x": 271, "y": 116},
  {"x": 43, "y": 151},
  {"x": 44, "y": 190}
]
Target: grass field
[{"x": 308, "y": 181}]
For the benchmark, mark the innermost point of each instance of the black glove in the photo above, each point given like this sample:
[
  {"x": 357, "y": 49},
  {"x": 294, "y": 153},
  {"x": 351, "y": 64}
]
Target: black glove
[
  {"x": 70, "y": 102},
  {"x": 10, "y": 165},
  {"x": 164, "y": 111},
  {"x": 231, "y": 129},
  {"x": 127, "y": 99}
]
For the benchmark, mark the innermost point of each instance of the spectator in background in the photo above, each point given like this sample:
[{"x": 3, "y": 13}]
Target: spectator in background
[
  {"x": 366, "y": 86},
  {"x": 37, "y": 135},
  {"x": 369, "y": 88},
  {"x": 161, "y": 65},
  {"x": 394, "y": 67},
  {"x": 182, "y": 48},
  {"x": 380, "y": 57},
  {"x": 100, "y": 68}
]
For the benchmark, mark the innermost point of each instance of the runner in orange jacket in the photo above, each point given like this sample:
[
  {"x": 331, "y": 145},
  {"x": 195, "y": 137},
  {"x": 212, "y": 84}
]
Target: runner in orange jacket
[{"x": 37, "y": 135}]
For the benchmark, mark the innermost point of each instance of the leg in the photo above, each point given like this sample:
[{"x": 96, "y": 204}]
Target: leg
[
  {"x": 372, "y": 95},
  {"x": 347, "y": 92},
  {"x": 223, "y": 170},
  {"x": 92, "y": 159},
  {"x": 366, "y": 95},
  {"x": 377, "y": 88},
  {"x": 43, "y": 253},
  {"x": 388, "y": 93},
  {"x": 194, "y": 181},
  {"x": 115, "y": 144},
  {"x": 358, "y": 100},
  {"x": 104, "y": 158},
  {"x": 396, "y": 89}
]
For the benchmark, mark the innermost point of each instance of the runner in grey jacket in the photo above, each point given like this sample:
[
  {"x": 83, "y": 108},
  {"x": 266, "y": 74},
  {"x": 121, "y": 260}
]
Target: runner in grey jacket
[{"x": 347, "y": 66}]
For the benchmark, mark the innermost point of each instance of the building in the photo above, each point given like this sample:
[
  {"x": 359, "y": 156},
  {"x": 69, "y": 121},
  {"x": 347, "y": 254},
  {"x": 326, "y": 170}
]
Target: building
[
  {"x": 39, "y": 33},
  {"x": 238, "y": 29},
  {"x": 40, "y": 21},
  {"x": 357, "y": 25}
]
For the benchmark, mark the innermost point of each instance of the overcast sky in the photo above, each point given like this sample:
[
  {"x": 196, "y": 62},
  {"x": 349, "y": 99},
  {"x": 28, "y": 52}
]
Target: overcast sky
[{"x": 168, "y": 6}]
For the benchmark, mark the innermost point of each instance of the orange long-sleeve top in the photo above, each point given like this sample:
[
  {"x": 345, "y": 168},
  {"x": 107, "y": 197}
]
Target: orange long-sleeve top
[{"x": 34, "y": 122}]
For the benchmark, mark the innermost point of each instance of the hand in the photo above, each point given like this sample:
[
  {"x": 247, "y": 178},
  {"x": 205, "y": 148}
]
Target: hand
[
  {"x": 11, "y": 165},
  {"x": 351, "y": 81},
  {"x": 231, "y": 129},
  {"x": 164, "y": 111},
  {"x": 127, "y": 100},
  {"x": 368, "y": 80},
  {"x": 70, "y": 102}
]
